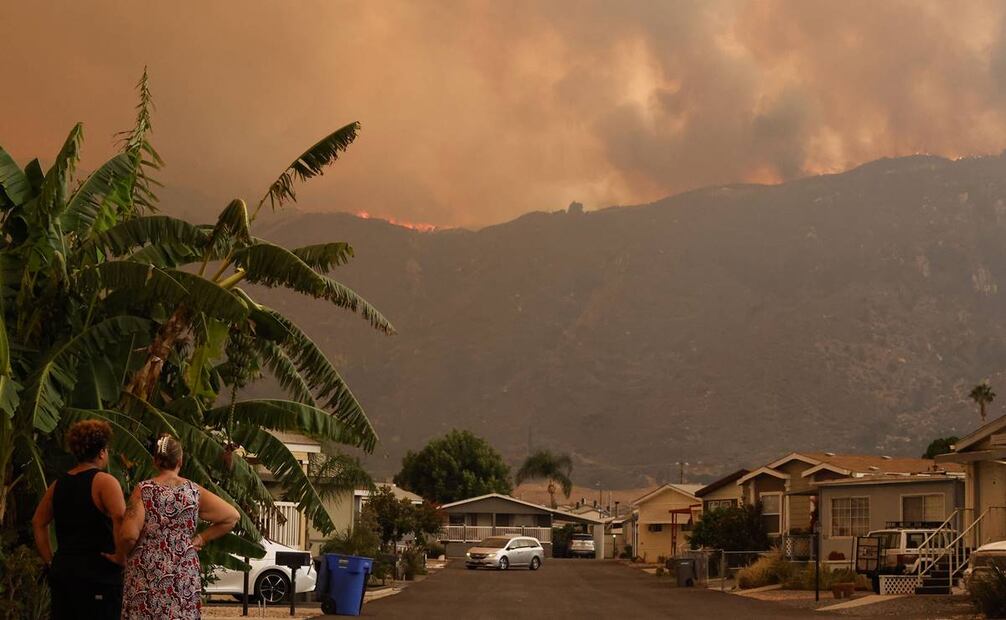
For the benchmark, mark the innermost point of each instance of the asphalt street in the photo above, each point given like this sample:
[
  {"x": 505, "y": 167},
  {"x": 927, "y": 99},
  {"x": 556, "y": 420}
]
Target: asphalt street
[{"x": 567, "y": 589}]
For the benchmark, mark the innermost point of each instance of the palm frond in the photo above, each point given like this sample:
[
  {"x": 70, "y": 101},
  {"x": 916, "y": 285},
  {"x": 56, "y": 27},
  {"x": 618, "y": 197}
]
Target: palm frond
[
  {"x": 86, "y": 204},
  {"x": 211, "y": 298},
  {"x": 57, "y": 375},
  {"x": 13, "y": 181},
  {"x": 271, "y": 266},
  {"x": 143, "y": 156},
  {"x": 232, "y": 224},
  {"x": 57, "y": 179},
  {"x": 325, "y": 256},
  {"x": 277, "y": 458},
  {"x": 310, "y": 164}
]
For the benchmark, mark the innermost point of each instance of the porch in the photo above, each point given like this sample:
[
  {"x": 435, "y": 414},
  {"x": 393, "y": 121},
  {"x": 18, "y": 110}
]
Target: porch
[{"x": 475, "y": 533}]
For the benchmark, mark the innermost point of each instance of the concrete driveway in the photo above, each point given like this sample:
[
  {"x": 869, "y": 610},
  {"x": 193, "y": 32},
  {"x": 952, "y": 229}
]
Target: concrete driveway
[{"x": 567, "y": 589}]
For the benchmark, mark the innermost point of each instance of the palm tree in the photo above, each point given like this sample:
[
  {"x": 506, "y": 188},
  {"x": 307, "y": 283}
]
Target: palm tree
[
  {"x": 983, "y": 395},
  {"x": 109, "y": 311},
  {"x": 556, "y": 468}
]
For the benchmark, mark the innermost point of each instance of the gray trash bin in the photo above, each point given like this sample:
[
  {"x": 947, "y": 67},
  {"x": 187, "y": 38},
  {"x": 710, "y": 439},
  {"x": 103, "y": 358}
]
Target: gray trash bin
[{"x": 684, "y": 568}]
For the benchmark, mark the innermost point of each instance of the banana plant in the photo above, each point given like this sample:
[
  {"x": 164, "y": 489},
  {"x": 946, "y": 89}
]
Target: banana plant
[{"x": 112, "y": 311}]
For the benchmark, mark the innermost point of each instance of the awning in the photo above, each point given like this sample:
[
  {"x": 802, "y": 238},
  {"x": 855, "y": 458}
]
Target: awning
[{"x": 994, "y": 454}]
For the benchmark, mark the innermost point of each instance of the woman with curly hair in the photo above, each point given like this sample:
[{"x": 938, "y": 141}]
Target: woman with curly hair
[
  {"x": 87, "y": 506},
  {"x": 159, "y": 535}
]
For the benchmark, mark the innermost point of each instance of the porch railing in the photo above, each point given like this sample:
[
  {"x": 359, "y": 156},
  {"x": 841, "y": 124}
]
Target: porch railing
[
  {"x": 283, "y": 525},
  {"x": 475, "y": 533}
]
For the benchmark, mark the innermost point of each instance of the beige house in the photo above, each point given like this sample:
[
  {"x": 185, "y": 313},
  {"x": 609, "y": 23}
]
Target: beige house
[
  {"x": 286, "y": 525},
  {"x": 787, "y": 487},
  {"x": 983, "y": 455},
  {"x": 662, "y": 519}
]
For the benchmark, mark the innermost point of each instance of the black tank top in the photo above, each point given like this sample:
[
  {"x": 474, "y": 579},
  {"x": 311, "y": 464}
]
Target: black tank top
[{"x": 83, "y": 532}]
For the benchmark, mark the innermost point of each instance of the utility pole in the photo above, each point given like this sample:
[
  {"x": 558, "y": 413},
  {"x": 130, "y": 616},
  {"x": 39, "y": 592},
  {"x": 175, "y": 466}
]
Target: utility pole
[{"x": 681, "y": 471}]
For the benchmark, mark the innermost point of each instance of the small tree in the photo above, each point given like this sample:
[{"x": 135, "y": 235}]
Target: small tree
[
  {"x": 457, "y": 466},
  {"x": 394, "y": 517},
  {"x": 556, "y": 468},
  {"x": 941, "y": 445},
  {"x": 737, "y": 528},
  {"x": 983, "y": 396}
]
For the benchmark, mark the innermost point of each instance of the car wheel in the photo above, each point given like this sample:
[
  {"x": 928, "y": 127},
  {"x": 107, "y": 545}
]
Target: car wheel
[
  {"x": 471, "y": 567},
  {"x": 504, "y": 563},
  {"x": 535, "y": 563},
  {"x": 272, "y": 587}
]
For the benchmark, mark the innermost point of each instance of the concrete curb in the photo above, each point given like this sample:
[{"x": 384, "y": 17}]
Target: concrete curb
[{"x": 859, "y": 602}]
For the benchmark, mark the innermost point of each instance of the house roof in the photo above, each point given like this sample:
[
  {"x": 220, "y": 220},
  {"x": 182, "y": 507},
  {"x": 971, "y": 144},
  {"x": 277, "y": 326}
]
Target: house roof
[
  {"x": 768, "y": 471},
  {"x": 993, "y": 427},
  {"x": 396, "y": 490},
  {"x": 722, "y": 482},
  {"x": 687, "y": 490},
  {"x": 507, "y": 498},
  {"x": 894, "y": 479},
  {"x": 851, "y": 464}
]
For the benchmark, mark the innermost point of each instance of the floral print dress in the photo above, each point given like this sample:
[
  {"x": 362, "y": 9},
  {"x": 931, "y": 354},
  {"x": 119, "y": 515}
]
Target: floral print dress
[{"x": 162, "y": 572}]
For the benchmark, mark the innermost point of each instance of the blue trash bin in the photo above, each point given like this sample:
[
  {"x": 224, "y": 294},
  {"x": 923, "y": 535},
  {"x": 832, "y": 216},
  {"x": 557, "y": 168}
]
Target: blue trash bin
[{"x": 347, "y": 581}]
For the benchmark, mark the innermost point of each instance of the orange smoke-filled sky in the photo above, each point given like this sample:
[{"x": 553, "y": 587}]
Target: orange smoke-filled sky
[{"x": 476, "y": 111}]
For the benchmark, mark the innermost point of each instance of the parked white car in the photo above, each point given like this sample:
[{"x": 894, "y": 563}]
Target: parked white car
[
  {"x": 503, "y": 552},
  {"x": 901, "y": 545},
  {"x": 266, "y": 581},
  {"x": 982, "y": 558}
]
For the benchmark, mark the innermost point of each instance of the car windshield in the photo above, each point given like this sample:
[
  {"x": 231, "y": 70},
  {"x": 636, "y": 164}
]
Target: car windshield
[{"x": 496, "y": 542}]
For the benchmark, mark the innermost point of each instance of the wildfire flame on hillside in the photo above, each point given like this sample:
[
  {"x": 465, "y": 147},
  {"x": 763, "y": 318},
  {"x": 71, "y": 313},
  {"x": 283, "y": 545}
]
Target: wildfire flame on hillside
[{"x": 418, "y": 226}]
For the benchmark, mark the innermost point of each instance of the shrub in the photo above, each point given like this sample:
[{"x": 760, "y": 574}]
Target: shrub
[
  {"x": 362, "y": 540},
  {"x": 988, "y": 590},
  {"x": 768, "y": 570},
  {"x": 414, "y": 563},
  {"x": 435, "y": 550},
  {"x": 561, "y": 539},
  {"x": 737, "y": 528},
  {"x": 662, "y": 560},
  {"x": 627, "y": 553},
  {"x": 23, "y": 591},
  {"x": 661, "y": 571},
  {"x": 803, "y": 578}
]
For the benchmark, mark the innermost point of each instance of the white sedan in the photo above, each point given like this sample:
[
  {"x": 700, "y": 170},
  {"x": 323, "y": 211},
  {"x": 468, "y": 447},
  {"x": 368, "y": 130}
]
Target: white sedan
[{"x": 266, "y": 581}]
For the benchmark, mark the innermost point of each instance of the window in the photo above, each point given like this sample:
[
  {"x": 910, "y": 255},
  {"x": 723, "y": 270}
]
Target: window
[
  {"x": 456, "y": 519},
  {"x": 915, "y": 539},
  {"x": 919, "y": 508},
  {"x": 850, "y": 516},
  {"x": 655, "y": 527},
  {"x": 715, "y": 504},
  {"x": 771, "y": 512}
]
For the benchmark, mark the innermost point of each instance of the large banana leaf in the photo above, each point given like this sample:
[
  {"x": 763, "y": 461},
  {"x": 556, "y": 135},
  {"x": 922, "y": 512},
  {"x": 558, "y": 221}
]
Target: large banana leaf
[
  {"x": 13, "y": 180},
  {"x": 284, "y": 371},
  {"x": 211, "y": 298},
  {"x": 128, "y": 437},
  {"x": 310, "y": 164},
  {"x": 85, "y": 205},
  {"x": 271, "y": 265},
  {"x": 325, "y": 256},
  {"x": 57, "y": 179},
  {"x": 277, "y": 458},
  {"x": 286, "y": 415},
  {"x": 56, "y": 376},
  {"x": 137, "y": 232},
  {"x": 329, "y": 388}
]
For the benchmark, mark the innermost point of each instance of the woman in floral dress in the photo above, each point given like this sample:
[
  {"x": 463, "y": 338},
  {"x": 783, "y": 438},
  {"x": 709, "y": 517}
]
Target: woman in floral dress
[{"x": 162, "y": 577}]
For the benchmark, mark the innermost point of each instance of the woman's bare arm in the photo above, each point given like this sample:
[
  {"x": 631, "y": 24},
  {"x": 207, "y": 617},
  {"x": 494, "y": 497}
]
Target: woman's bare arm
[
  {"x": 222, "y": 516},
  {"x": 40, "y": 525},
  {"x": 113, "y": 504},
  {"x": 132, "y": 523}
]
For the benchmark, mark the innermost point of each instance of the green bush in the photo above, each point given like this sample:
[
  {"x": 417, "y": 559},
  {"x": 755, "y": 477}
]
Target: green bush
[
  {"x": 23, "y": 590},
  {"x": 661, "y": 571},
  {"x": 768, "y": 570},
  {"x": 988, "y": 590},
  {"x": 627, "y": 553},
  {"x": 562, "y": 537},
  {"x": 362, "y": 539}
]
